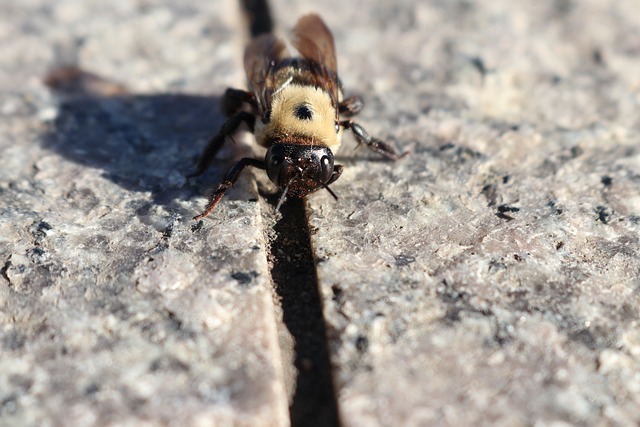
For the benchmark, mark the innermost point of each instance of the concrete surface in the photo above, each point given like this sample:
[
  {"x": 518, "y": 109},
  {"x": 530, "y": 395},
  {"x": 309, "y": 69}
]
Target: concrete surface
[
  {"x": 115, "y": 307},
  {"x": 489, "y": 278},
  {"x": 492, "y": 277}
]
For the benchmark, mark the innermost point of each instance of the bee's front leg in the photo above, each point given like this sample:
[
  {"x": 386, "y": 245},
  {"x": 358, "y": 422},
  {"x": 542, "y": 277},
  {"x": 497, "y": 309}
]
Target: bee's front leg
[
  {"x": 379, "y": 146},
  {"x": 215, "y": 144},
  {"x": 229, "y": 179}
]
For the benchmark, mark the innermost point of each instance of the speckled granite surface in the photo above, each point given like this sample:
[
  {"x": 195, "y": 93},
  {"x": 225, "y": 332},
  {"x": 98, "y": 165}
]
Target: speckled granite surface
[
  {"x": 115, "y": 307},
  {"x": 492, "y": 277},
  {"x": 489, "y": 278}
]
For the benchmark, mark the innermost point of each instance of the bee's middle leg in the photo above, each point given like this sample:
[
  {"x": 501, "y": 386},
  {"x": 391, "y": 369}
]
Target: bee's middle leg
[
  {"x": 215, "y": 144},
  {"x": 362, "y": 137}
]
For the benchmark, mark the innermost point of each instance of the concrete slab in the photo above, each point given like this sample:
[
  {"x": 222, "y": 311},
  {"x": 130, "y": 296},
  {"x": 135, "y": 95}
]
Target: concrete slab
[
  {"x": 115, "y": 307},
  {"x": 491, "y": 277}
]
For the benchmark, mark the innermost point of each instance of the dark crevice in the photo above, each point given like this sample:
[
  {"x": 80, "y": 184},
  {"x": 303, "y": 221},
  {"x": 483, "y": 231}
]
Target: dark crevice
[
  {"x": 293, "y": 274},
  {"x": 4, "y": 269}
]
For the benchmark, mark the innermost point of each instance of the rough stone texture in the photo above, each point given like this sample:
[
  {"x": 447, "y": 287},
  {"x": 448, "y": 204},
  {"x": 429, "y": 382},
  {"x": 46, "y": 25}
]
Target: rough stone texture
[
  {"x": 115, "y": 307},
  {"x": 491, "y": 277}
]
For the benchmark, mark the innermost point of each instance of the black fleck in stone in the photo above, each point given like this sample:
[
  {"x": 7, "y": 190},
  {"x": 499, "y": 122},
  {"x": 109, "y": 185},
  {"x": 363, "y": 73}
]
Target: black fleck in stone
[
  {"x": 404, "y": 260},
  {"x": 244, "y": 278},
  {"x": 44, "y": 226},
  {"x": 576, "y": 151},
  {"x": 362, "y": 343},
  {"x": 554, "y": 207},
  {"x": 603, "y": 213},
  {"x": 197, "y": 227},
  {"x": 507, "y": 208}
]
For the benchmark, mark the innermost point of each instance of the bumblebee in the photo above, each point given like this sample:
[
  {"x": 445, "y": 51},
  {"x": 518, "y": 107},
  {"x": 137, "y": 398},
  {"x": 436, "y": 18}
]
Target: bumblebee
[{"x": 295, "y": 104}]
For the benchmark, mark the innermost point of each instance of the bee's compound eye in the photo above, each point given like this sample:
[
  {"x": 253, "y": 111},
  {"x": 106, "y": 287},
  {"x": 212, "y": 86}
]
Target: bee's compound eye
[
  {"x": 326, "y": 163},
  {"x": 276, "y": 160},
  {"x": 303, "y": 112}
]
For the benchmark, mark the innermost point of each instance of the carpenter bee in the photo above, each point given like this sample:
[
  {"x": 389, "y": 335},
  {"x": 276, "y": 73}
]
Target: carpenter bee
[{"x": 295, "y": 107}]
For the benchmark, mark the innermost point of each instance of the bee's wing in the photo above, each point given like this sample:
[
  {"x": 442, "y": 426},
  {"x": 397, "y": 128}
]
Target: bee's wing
[
  {"x": 261, "y": 57},
  {"x": 315, "y": 43}
]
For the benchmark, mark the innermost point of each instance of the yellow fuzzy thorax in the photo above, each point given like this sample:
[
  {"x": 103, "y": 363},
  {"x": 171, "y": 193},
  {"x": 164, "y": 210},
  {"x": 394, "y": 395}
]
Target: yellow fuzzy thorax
[{"x": 319, "y": 129}]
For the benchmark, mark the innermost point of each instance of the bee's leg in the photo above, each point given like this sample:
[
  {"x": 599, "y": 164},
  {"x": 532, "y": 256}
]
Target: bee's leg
[
  {"x": 234, "y": 98},
  {"x": 351, "y": 106},
  {"x": 227, "y": 129},
  {"x": 386, "y": 149},
  {"x": 229, "y": 179}
]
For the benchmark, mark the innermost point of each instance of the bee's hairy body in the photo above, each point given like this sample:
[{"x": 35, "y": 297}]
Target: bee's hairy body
[
  {"x": 296, "y": 104},
  {"x": 315, "y": 125}
]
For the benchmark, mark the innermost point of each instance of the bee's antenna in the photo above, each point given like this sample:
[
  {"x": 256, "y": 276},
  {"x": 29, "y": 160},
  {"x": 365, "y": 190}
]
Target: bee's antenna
[
  {"x": 283, "y": 197},
  {"x": 326, "y": 187}
]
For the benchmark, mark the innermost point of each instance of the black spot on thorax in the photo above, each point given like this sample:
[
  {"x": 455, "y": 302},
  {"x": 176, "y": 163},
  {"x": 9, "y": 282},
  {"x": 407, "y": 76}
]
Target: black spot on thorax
[{"x": 303, "y": 112}]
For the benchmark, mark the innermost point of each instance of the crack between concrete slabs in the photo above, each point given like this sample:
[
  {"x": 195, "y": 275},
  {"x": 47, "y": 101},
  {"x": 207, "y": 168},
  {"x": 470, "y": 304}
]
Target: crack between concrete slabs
[
  {"x": 295, "y": 283},
  {"x": 303, "y": 338}
]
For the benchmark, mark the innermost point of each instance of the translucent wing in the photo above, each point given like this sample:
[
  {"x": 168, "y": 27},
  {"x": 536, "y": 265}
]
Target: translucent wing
[
  {"x": 261, "y": 57},
  {"x": 315, "y": 43}
]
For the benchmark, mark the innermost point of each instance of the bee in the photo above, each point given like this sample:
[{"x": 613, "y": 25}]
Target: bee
[{"x": 294, "y": 108}]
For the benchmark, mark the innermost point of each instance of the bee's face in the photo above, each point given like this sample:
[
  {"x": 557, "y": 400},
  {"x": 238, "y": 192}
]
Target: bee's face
[{"x": 300, "y": 169}]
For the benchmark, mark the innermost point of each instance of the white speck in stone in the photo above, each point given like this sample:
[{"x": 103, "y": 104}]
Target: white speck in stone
[{"x": 48, "y": 114}]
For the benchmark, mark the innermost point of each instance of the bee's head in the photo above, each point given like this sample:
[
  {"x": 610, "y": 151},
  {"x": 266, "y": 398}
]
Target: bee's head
[{"x": 299, "y": 169}]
